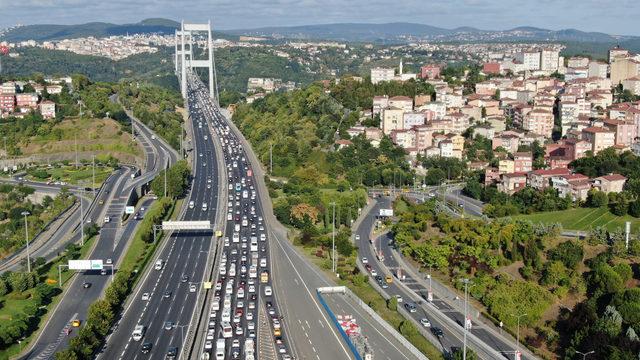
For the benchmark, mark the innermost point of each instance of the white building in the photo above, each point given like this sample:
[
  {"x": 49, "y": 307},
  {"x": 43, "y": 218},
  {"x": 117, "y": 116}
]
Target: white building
[
  {"x": 379, "y": 74},
  {"x": 598, "y": 69},
  {"x": 412, "y": 119},
  {"x": 549, "y": 59},
  {"x": 530, "y": 59}
]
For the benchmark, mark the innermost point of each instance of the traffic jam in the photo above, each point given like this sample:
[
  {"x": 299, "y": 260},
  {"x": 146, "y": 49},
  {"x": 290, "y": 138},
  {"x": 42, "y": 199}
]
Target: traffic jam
[{"x": 243, "y": 274}]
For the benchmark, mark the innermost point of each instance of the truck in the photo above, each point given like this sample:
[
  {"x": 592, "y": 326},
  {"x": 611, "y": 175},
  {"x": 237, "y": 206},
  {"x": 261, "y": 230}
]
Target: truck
[
  {"x": 249, "y": 349},
  {"x": 220, "y": 349}
]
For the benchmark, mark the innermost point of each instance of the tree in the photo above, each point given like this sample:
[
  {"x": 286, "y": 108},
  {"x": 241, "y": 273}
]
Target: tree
[
  {"x": 596, "y": 198},
  {"x": 458, "y": 355},
  {"x": 392, "y": 303},
  {"x": 177, "y": 178},
  {"x": 570, "y": 253}
]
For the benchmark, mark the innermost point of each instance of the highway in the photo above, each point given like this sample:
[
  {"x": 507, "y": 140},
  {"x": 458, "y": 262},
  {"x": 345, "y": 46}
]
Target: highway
[
  {"x": 184, "y": 254},
  {"x": 416, "y": 292},
  {"x": 295, "y": 279},
  {"x": 110, "y": 244}
]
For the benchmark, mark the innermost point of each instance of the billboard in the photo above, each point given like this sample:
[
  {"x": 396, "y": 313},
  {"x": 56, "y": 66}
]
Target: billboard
[
  {"x": 85, "y": 265},
  {"x": 386, "y": 212},
  {"x": 129, "y": 210}
]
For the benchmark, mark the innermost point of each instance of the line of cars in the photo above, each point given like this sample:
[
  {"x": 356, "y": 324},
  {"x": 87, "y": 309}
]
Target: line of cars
[{"x": 243, "y": 271}]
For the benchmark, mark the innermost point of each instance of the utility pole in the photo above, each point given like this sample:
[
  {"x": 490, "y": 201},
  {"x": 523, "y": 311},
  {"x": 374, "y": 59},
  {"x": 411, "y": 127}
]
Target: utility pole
[
  {"x": 165, "y": 179},
  {"x": 133, "y": 134},
  {"x": 26, "y": 235},
  {"x": 464, "y": 344},
  {"x": 333, "y": 240},
  {"x": 5, "y": 147},
  {"x": 517, "y": 355},
  {"x": 270, "y": 158},
  {"x": 75, "y": 140},
  {"x": 93, "y": 175},
  {"x": 81, "y": 220}
]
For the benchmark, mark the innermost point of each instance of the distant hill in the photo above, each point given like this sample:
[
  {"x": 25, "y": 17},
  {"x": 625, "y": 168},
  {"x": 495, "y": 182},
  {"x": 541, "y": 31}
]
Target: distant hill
[
  {"x": 97, "y": 29},
  {"x": 402, "y": 32}
]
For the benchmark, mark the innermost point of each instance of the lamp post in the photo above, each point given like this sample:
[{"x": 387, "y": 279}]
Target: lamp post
[
  {"x": 26, "y": 236},
  {"x": 464, "y": 343},
  {"x": 584, "y": 355},
  {"x": 333, "y": 240},
  {"x": 518, "y": 335}
]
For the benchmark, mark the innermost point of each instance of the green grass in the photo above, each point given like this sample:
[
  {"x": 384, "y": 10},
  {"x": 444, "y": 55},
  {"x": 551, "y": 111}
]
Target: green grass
[
  {"x": 584, "y": 219},
  {"x": 75, "y": 176}
]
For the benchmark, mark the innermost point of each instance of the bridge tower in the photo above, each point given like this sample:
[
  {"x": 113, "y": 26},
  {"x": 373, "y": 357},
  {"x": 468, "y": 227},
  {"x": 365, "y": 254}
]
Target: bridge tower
[{"x": 185, "y": 56}]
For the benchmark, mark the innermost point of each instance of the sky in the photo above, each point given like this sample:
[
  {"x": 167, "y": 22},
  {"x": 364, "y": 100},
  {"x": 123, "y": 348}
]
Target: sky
[{"x": 613, "y": 17}]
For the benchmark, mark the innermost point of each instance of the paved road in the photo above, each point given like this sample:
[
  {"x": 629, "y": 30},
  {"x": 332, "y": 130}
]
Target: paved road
[
  {"x": 110, "y": 244},
  {"x": 312, "y": 335},
  {"x": 417, "y": 291},
  {"x": 185, "y": 254}
]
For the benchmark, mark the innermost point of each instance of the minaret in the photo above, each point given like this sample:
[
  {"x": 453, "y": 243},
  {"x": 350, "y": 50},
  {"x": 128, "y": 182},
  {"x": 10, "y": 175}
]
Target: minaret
[{"x": 400, "y": 66}]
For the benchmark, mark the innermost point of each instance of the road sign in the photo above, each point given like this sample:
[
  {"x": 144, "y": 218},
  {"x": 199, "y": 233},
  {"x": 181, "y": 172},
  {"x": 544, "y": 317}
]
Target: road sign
[
  {"x": 85, "y": 265},
  {"x": 186, "y": 225},
  {"x": 129, "y": 210}
]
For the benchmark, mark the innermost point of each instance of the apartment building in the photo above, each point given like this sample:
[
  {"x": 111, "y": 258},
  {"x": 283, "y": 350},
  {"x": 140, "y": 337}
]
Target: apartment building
[
  {"x": 600, "y": 138},
  {"x": 380, "y": 74}
]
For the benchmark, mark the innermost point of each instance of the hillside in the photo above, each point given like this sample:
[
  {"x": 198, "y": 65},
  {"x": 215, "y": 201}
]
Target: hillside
[{"x": 400, "y": 31}]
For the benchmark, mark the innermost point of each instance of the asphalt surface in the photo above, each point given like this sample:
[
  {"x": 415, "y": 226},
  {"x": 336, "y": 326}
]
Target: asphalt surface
[
  {"x": 110, "y": 244},
  {"x": 418, "y": 294},
  {"x": 184, "y": 254}
]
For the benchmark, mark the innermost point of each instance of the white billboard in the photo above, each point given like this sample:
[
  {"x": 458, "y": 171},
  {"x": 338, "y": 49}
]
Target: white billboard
[
  {"x": 85, "y": 265},
  {"x": 129, "y": 210},
  {"x": 386, "y": 212},
  {"x": 186, "y": 225}
]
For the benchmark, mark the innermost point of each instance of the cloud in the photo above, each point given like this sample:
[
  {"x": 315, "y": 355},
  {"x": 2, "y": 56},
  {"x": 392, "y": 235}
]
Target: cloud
[{"x": 591, "y": 15}]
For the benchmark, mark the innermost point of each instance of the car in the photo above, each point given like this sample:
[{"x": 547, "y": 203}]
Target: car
[
  {"x": 109, "y": 261},
  {"x": 86, "y": 284},
  {"x": 374, "y": 273},
  {"x": 398, "y": 298},
  {"x": 146, "y": 347},
  {"x": 145, "y": 296},
  {"x": 107, "y": 219},
  {"x": 252, "y": 334},
  {"x": 192, "y": 288},
  {"x": 239, "y": 330},
  {"x": 365, "y": 260},
  {"x": 75, "y": 323},
  {"x": 184, "y": 279},
  {"x": 208, "y": 345},
  {"x": 103, "y": 272},
  {"x": 437, "y": 332},
  {"x": 268, "y": 291},
  {"x": 411, "y": 307},
  {"x": 424, "y": 322},
  {"x": 168, "y": 325},
  {"x": 172, "y": 353},
  {"x": 235, "y": 343},
  {"x": 167, "y": 294}
]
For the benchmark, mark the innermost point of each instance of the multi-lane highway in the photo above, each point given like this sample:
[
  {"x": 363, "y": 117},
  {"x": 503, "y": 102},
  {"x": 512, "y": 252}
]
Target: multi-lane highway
[
  {"x": 414, "y": 292},
  {"x": 164, "y": 301},
  {"x": 88, "y": 286}
]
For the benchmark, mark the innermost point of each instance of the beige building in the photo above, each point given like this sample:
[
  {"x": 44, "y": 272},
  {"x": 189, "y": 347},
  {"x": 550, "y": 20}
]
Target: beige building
[
  {"x": 379, "y": 74},
  {"x": 610, "y": 183},
  {"x": 401, "y": 102},
  {"x": 632, "y": 84},
  {"x": 539, "y": 121},
  {"x": 392, "y": 119},
  {"x": 600, "y": 138},
  {"x": 624, "y": 68}
]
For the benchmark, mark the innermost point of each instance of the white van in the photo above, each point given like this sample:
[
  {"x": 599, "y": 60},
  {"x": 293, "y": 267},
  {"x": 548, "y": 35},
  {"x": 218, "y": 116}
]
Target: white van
[
  {"x": 220, "y": 349},
  {"x": 159, "y": 264},
  {"x": 191, "y": 204},
  {"x": 138, "y": 332}
]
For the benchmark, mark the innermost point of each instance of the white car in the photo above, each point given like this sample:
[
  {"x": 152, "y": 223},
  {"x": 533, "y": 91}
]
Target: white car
[
  {"x": 365, "y": 260},
  {"x": 192, "y": 288},
  {"x": 145, "y": 296},
  {"x": 426, "y": 323},
  {"x": 268, "y": 291}
]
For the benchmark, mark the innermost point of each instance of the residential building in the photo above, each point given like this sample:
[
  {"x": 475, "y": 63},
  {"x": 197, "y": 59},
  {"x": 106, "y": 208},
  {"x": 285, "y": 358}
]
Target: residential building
[
  {"x": 430, "y": 71},
  {"x": 401, "y": 102},
  {"x": 529, "y": 59},
  {"x": 7, "y": 103},
  {"x": 624, "y": 68},
  {"x": 539, "y": 121},
  {"x": 506, "y": 166},
  {"x": 549, "y": 59},
  {"x": 522, "y": 162},
  {"x": 632, "y": 84},
  {"x": 624, "y": 130},
  {"x": 578, "y": 62},
  {"x": 610, "y": 183},
  {"x": 540, "y": 179},
  {"x": 616, "y": 52},
  {"x": 600, "y": 138},
  {"x": 404, "y": 138},
  {"x": 27, "y": 100},
  {"x": 492, "y": 68},
  {"x": 598, "y": 69},
  {"x": 380, "y": 74},
  {"x": 512, "y": 182},
  {"x": 411, "y": 119},
  {"x": 576, "y": 186},
  {"x": 392, "y": 119},
  {"x": 379, "y": 103},
  {"x": 48, "y": 109}
]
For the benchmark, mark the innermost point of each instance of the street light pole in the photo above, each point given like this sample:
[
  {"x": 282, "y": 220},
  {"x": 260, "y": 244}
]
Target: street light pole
[
  {"x": 464, "y": 344},
  {"x": 333, "y": 240},
  {"x": 26, "y": 233},
  {"x": 93, "y": 175},
  {"x": 81, "y": 219},
  {"x": 518, "y": 335},
  {"x": 584, "y": 355}
]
